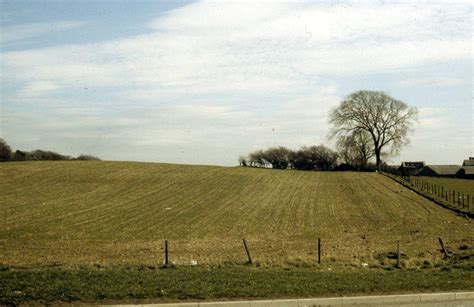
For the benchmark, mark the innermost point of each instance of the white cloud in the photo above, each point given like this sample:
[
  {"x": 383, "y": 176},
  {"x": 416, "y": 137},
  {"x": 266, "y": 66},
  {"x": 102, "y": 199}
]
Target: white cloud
[
  {"x": 433, "y": 82},
  {"x": 10, "y": 34},
  {"x": 245, "y": 47},
  {"x": 37, "y": 89}
]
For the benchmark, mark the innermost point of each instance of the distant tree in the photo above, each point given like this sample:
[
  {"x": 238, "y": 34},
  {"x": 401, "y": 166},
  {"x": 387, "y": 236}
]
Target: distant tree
[
  {"x": 46, "y": 155},
  {"x": 242, "y": 161},
  {"x": 87, "y": 158},
  {"x": 278, "y": 157},
  {"x": 314, "y": 158},
  {"x": 19, "y": 155},
  {"x": 256, "y": 158},
  {"x": 355, "y": 149},
  {"x": 324, "y": 158},
  {"x": 5, "y": 151},
  {"x": 387, "y": 120}
]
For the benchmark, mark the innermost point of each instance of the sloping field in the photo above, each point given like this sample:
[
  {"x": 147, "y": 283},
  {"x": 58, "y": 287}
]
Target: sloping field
[{"x": 120, "y": 213}]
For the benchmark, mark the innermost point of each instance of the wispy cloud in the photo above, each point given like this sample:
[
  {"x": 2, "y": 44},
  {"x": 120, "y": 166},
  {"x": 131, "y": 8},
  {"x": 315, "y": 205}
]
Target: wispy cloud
[
  {"x": 433, "y": 82},
  {"x": 276, "y": 47},
  {"x": 10, "y": 34},
  {"x": 37, "y": 89}
]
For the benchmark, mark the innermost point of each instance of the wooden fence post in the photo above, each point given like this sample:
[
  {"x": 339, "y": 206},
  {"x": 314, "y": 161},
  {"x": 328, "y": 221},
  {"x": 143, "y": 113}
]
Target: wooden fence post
[
  {"x": 443, "y": 248},
  {"x": 166, "y": 252},
  {"x": 463, "y": 200},
  {"x": 398, "y": 254},
  {"x": 319, "y": 250},
  {"x": 248, "y": 252}
]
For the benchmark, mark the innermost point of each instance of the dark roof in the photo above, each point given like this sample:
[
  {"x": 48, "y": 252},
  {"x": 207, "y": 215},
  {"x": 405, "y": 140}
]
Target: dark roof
[
  {"x": 445, "y": 169},
  {"x": 469, "y": 162},
  {"x": 410, "y": 164}
]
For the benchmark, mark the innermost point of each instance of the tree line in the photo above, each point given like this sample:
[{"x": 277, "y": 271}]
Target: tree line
[
  {"x": 306, "y": 158},
  {"x": 366, "y": 125},
  {"x": 7, "y": 154},
  {"x": 316, "y": 157}
]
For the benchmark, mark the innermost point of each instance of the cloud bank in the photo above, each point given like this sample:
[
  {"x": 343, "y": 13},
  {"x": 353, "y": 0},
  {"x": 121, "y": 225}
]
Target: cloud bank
[{"x": 231, "y": 75}]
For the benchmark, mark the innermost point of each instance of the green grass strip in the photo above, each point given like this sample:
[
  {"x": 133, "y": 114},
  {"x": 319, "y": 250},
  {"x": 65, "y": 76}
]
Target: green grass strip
[{"x": 160, "y": 285}]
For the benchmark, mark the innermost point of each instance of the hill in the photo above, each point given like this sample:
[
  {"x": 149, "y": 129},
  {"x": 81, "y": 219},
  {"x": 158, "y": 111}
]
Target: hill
[{"x": 121, "y": 212}]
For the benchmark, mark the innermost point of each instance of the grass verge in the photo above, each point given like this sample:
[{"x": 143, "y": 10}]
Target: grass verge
[{"x": 152, "y": 284}]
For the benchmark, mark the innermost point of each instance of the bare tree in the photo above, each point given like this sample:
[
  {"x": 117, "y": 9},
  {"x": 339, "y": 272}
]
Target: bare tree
[
  {"x": 387, "y": 120},
  {"x": 278, "y": 157},
  {"x": 256, "y": 158},
  {"x": 242, "y": 161},
  {"x": 355, "y": 149},
  {"x": 313, "y": 158}
]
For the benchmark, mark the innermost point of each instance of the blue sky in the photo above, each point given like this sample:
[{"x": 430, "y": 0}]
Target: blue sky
[{"x": 204, "y": 82}]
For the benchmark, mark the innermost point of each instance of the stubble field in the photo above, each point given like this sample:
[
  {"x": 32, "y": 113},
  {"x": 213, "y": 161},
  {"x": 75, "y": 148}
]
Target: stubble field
[{"x": 120, "y": 213}]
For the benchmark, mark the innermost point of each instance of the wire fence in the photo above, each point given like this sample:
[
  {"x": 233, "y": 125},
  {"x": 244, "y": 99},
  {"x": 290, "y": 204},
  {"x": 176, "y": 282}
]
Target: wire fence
[
  {"x": 395, "y": 253},
  {"x": 460, "y": 200}
]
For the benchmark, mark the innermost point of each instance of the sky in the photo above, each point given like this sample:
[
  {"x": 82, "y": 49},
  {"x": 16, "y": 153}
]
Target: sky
[{"x": 205, "y": 82}]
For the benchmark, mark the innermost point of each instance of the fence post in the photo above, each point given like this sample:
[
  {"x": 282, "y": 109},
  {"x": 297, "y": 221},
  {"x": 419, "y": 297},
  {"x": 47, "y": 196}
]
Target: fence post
[
  {"x": 459, "y": 203},
  {"x": 319, "y": 250},
  {"x": 398, "y": 254},
  {"x": 248, "y": 252},
  {"x": 463, "y": 200},
  {"x": 443, "y": 248},
  {"x": 166, "y": 252},
  {"x": 442, "y": 192}
]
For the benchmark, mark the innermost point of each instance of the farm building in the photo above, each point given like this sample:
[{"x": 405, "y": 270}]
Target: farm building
[
  {"x": 468, "y": 162},
  {"x": 410, "y": 168},
  {"x": 466, "y": 172},
  {"x": 439, "y": 170}
]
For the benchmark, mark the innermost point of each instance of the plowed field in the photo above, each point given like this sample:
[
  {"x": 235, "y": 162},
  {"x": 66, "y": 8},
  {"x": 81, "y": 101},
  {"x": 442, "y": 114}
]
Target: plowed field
[{"x": 82, "y": 212}]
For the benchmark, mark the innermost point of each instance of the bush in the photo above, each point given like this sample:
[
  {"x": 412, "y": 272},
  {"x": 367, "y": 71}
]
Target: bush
[
  {"x": 87, "y": 158},
  {"x": 42, "y": 155}
]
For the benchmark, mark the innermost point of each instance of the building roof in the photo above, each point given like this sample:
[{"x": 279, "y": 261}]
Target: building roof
[
  {"x": 468, "y": 170},
  {"x": 445, "y": 169},
  {"x": 469, "y": 162}
]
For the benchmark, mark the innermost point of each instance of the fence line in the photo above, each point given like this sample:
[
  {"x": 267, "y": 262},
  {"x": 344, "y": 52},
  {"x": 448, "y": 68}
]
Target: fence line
[
  {"x": 393, "y": 253},
  {"x": 451, "y": 197}
]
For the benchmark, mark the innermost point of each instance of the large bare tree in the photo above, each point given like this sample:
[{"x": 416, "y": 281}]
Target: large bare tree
[{"x": 388, "y": 121}]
